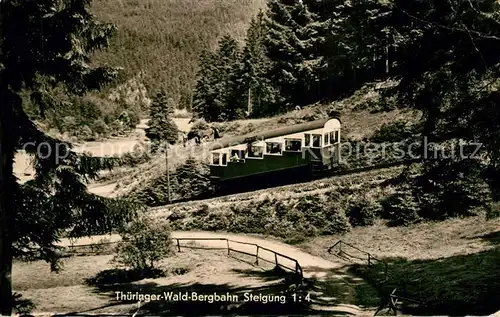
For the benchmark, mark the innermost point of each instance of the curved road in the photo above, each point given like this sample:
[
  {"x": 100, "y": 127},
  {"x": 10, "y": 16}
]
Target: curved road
[
  {"x": 306, "y": 260},
  {"x": 312, "y": 266}
]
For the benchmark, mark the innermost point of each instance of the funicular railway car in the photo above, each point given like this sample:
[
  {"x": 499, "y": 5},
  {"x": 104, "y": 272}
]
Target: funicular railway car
[{"x": 275, "y": 157}]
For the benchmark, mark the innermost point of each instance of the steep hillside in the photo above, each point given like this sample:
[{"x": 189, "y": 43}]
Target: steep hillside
[
  {"x": 357, "y": 123},
  {"x": 163, "y": 38}
]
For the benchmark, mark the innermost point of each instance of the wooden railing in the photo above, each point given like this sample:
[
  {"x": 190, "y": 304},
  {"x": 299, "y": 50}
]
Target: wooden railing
[
  {"x": 273, "y": 259},
  {"x": 394, "y": 301},
  {"x": 342, "y": 251},
  {"x": 296, "y": 269}
]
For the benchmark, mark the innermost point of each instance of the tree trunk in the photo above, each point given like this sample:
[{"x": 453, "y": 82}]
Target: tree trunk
[{"x": 6, "y": 197}]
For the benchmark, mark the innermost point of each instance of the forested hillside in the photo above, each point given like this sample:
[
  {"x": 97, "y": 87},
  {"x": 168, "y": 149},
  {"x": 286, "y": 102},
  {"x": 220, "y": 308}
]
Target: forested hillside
[
  {"x": 162, "y": 39},
  {"x": 157, "y": 45},
  {"x": 302, "y": 52},
  {"x": 435, "y": 57}
]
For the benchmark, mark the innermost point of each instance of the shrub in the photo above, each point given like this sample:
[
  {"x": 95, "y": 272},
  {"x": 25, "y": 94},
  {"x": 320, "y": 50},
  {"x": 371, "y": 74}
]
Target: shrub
[
  {"x": 336, "y": 223},
  {"x": 295, "y": 238},
  {"x": 493, "y": 210},
  {"x": 201, "y": 127},
  {"x": 176, "y": 215},
  {"x": 393, "y": 132},
  {"x": 363, "y": 213},
  {"x": 100, "y": 127},
  {"x": 202, "y": 212},
  {"x": 85, "y": 133},
  {"x": 312, "y": 209},
  {"x": 119, "y": 276},
  {"x": 215, "y": 222},
  {"x": 69, "y": 124},
  {"x": 401, "y": 208},
  {"x": 145, "y": 241}
]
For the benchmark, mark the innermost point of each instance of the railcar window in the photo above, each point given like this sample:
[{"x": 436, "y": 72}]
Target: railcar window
[
  {"x": 237, "y": 155},
  {"x": 274, "y": 148},
  {"x": 334, "y": 137},
  {"x": 316, "y": 140},
  {"x": 224, "y": 159},
  {"x": 326, "y": 141},
  {"x": 256, "y": 151},
  {"x": 293, "y": 145},
  {"x": 215, "y": 158},
  {"x": 307, "y": 140}
]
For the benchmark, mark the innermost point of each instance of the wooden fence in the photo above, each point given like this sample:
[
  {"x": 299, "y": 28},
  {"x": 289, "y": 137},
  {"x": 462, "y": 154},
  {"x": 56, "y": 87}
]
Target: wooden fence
[
  {"x": 252, "y": 249},
  {"x": 346, "y": 250},
  {"x": 273, "y": 259}
]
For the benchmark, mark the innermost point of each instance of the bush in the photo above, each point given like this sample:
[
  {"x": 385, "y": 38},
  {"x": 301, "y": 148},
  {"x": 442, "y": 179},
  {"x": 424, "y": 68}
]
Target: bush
[
  {"x": 363, "y": 213},
  {"x": 393, "y": 132},
  {"x": 201, "y": 128},
  {"x": 176, "y": 215},
  {"x": 100, "y": 127},
  {"x": 312, "y": 209},
  {"x": 202, "y": 212},
  {"x": 145, "y": 241},
  {"x": 118, "y": 276},
  {"x": 336, "y": 223},
  {"x": 401, "y": 208},
  {"x": 69, "y": 124},
  {"x": 85, "y": 133},
  {"x": 493, "y": 210},
  {"x": 215, "y": 222}
]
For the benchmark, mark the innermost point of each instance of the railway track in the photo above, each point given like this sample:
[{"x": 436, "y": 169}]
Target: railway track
[{"x": 329, "y": 174}]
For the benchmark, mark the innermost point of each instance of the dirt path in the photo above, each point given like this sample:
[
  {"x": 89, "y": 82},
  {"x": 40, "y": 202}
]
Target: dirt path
[
  {"x": 307, "y": 261},
  {"x": 313, "y": 267}
]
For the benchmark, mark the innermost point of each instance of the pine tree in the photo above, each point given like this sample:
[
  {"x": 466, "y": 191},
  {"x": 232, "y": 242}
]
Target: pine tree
[
  {"x": 47, "y": 42},
  {"x": 204, "y": 97},
  {"x": 252, "y": 85},
  {"x": 193, "y": 179},
  {"x": 228, "y": 57},
  {"x": 161, "y": 126},
  {"x": 214, "y": 99},
  {"x": 288, "y": 47}
]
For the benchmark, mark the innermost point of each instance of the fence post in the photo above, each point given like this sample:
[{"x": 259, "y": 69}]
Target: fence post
[
  {"x": 227, "y": 242},
  {"x": 369, "y": 260},
  {"x": 178, "y": 245},
  {"x": 298, "y": 274},
  {"x": 276, "y": 258},
  {"x": 257, "y": 256},
  {"x": 340, "y": 247}
]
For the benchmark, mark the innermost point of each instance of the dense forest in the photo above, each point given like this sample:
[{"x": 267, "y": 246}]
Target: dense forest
[
  {"x": 300, "y": 52},
  {"x": 162, "y": 40},
  {"x": 156, "y": 44},
  {"x": 439, "y": 55}
]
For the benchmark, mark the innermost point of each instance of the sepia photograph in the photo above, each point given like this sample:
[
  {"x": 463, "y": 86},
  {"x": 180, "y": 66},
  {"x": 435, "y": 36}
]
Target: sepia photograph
[{"x": 249, "y": 158}]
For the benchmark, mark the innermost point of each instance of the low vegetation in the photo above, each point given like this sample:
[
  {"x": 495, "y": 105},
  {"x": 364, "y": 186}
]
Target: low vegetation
[
  {"x": 189, "y": 180},
  {"x": 145, "y": 241},
  {"x": 328, "y": 207}
]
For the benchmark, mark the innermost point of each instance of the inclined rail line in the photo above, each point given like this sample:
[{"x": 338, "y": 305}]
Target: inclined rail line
[{"x": 326, "y": 174}]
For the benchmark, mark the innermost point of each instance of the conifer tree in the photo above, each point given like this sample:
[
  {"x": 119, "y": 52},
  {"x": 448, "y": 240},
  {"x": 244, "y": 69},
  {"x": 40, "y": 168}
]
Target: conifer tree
[
  {"x": 288, "y": 47},
  {"x": 204, "y": 105},
  {"x": 214, "y": 99},
  {"x": 46, "y": 43},
  {"x": 161, "y": 127},
  {"x": 252, "y": 85},
  {"x": 193, "y": 179}
]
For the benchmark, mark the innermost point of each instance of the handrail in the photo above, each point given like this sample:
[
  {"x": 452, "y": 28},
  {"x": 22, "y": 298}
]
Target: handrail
[
  {"x": 298, "y": 269},
  {"x": 370, "y": 257}
]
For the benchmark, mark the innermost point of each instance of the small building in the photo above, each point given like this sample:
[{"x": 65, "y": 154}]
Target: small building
[{"x": 283, "y": 155}]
